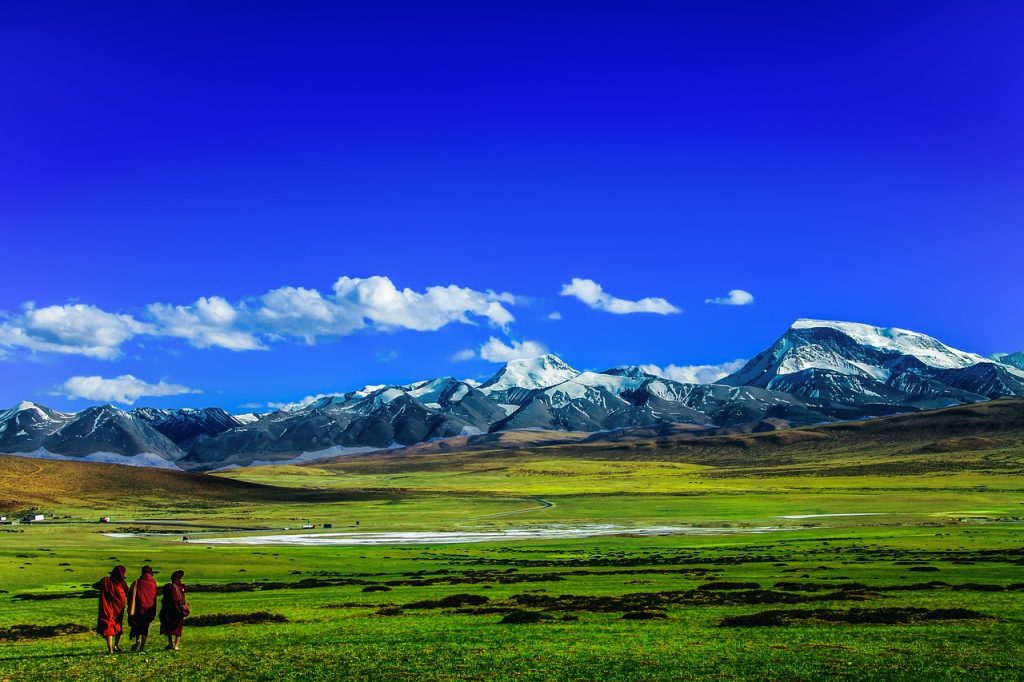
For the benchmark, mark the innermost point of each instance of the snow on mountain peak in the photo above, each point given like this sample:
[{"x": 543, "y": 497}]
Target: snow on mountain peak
[
  {"x": 430, "y": 391},
  {"x": 898, "y": 341},
  {"x": 541, "y": 372}
]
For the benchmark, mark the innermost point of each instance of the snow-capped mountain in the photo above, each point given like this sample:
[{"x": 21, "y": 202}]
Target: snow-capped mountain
[
  {"x": 1012, "y": 359},
  {"x": 626, "y": 397},
  {"x": 185, "y": 425},
  {"x": 512, "y": 384},
  {"x": 875, "y": 368},
  {"x": 388, "y": 416},
  {"x": 102, "y": 433},
  {"x": 817, "y": 371}
]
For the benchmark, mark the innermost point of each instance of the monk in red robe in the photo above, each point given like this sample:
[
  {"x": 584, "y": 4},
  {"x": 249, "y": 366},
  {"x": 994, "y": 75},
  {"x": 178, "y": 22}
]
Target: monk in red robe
[
  {"x": 173, "y": 610},
  {"x": 141, "y": 608},
  {"x": 113, "y": 597}
]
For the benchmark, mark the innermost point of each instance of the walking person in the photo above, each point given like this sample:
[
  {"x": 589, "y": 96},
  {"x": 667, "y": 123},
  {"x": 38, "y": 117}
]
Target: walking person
[
  {"x": 113, "y": 597},
  {"x": 141, "y": 608},
  {"x": 173, "y": 610}
]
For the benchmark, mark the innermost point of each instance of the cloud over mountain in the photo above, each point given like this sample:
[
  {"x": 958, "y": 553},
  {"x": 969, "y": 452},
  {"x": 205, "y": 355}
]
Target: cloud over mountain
[
  {"x": 593, "y": 294},
  {"x": 735, "y": 297},
  {"x": 695, "y": 374},
  {"x": 354, "y": 304},
  {"x": 71, "y": 329},
  {"x": 496, "y": 350},
  {"x": 125, "y": 389}
]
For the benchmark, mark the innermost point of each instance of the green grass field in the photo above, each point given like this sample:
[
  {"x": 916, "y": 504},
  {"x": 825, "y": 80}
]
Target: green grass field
[{"x": 930, "y": 586}]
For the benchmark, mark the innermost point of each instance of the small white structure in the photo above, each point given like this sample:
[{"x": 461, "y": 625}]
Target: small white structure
[
  {"x": 104, "y": 519},
  {"x": 3, "y": 519},
  {"x": 307, "y": 526},
  {"x": 32, "y": 518}
]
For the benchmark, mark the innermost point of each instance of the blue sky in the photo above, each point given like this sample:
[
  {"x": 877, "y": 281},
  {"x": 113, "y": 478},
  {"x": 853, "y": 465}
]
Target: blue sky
[{"x": 166, "y": 166}]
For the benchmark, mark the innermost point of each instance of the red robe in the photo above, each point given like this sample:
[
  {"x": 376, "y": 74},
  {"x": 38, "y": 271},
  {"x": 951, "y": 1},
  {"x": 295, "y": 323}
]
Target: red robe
[
  {"x": 142, "y": 609},
  {"x": 113, "y": 598},
  {"x": 172, "y": 615}
]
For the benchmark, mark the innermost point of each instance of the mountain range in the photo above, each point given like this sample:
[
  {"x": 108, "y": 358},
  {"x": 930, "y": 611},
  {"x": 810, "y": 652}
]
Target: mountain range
[{"x": 818, "y": 371}]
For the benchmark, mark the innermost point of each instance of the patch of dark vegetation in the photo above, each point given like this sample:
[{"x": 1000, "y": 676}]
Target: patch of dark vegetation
[
  {"x": 507, "y": 577},
  {"x": 643, "y": 615},
  {"x": 376, "y": 588},
  {"x": 267, "y": 585},
  {"x": 48, "y": 596},
  {"x": 624, "y": 561},
  {"x": 452, "y": 601},
  {"x": 914, "y": 587},
  {"x": 524, "y": 617},
  {"x": 254, "y": 618},
  {"x": 884, "y": 616},
  {"x": 510, "y": 576},
  {"x": 923, "y": 569},
  {"x": 388, "y": 611},
  {"x": 655, "y": 601},
  {"x": 457, "y": 600},
  {"x": 725, "y": 585},
  {"x": 484, "y": 610},
  {"x": 19, "y": 632},
  {"x": 965, "y": 444},
  {"x": 795, "y": 586}
]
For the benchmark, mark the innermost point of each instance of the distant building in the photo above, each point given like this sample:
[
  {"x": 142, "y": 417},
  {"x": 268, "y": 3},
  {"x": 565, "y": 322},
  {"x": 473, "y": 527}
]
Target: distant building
[
  {"x": 3, "y": 519},
  {"x": 104, "y": 519},
  {"x": 32, "y": 518}
]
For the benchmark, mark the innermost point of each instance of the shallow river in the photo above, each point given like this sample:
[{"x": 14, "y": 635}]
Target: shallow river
[{"x": 457, "y": 537}]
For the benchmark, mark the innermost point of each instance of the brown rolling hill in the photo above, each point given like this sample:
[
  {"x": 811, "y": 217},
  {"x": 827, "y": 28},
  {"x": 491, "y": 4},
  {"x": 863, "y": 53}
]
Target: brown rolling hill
[{"x": 26, "y": 482}]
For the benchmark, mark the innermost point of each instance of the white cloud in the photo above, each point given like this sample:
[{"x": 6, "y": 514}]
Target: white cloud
[
  {"x": 307, "y": 314},
  {"x": 207, "y": 322},
  {"x": 378, "y": 300},
  {"x": 124, "y": 389},
  {"x": 303, "y": 313},
  {"x": 591, "y": 293},
  {"x": 299, "y": 404},
  {"x": 735, "y": 297},
  {"x": 354, "y": 304},
  {"x": 695, "y": 374},
  {"x": 71, "y": 329},
  {"x": 555, "y": 315},
  {"x": 496, "y": 350}
]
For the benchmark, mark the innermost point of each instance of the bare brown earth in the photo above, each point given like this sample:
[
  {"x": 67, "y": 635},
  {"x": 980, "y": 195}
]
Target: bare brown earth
[{"x": 26, "y": 482}]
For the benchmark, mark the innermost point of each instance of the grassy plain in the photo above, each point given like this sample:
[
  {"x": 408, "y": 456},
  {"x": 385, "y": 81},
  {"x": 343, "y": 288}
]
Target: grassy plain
[{"x": 929, "y": 587}]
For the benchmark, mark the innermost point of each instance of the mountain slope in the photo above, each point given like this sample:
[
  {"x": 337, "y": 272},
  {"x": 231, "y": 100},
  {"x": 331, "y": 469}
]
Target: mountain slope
[
  {"x": 385, "y": 417},
  {"x": 34, "y": 483},
  {"x": 184, "y": 426},
  {"x": 1012, "y": 359},
  {"x": 103, "y": 433},
  {"x": 876, "y": 369},
  {"x": 514, "y": 382}
]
